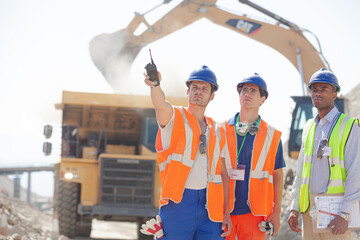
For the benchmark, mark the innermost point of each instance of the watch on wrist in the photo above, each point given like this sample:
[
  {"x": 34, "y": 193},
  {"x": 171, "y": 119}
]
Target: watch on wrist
[{"x": 345, "y": 216}]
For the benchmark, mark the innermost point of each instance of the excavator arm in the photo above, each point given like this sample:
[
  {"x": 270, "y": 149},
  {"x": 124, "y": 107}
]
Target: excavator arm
[
  {"x": 292, "y": 45},
  {"x": 287, "y": 40}
]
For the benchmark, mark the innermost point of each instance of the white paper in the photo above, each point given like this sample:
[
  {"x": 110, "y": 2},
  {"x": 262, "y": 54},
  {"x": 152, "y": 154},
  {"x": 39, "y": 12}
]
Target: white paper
[{"x": 331, "y": 205}]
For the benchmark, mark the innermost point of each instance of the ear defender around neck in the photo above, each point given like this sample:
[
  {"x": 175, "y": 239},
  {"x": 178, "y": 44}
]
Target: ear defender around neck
[{"x": 243, "y": 128}]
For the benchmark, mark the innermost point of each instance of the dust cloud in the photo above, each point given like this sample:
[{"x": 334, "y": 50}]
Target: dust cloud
[{"x": 113, "y": 56}]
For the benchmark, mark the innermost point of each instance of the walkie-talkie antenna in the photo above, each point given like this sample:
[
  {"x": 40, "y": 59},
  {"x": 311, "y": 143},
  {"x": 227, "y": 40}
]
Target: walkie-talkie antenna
[{"x": 152, "y": 61}]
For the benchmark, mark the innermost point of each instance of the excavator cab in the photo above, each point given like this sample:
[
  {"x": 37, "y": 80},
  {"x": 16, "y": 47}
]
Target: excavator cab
[{"x": 303, "y": 111}]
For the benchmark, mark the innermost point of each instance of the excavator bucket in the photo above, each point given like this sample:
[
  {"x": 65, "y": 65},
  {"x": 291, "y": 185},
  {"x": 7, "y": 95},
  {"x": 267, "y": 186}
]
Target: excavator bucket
[{"x": 113, "y": 55}]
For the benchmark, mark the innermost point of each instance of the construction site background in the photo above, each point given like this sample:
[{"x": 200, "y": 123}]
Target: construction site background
[{"x": 20, "y": 220}]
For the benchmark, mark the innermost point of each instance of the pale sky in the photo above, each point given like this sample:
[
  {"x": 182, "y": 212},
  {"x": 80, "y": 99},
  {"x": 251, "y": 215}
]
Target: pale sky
[{"x": 44, "y": 49}]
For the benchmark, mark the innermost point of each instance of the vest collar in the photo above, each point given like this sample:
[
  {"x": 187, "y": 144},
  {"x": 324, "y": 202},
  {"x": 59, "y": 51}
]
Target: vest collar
[
  {"x": 232, "y": 120},
  {"x": 328, "y": 117}
]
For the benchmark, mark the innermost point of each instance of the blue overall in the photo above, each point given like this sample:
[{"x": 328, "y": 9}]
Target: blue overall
[{"x": 188, "y": 220}]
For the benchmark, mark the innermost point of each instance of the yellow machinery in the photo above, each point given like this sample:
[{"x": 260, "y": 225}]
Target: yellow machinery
[
  {"x": 284, "y": 36},
  {"x": 108, "y": 168}
]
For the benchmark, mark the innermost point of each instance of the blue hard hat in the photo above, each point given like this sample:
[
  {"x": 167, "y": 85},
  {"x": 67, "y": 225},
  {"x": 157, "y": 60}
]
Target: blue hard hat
[
  {"x": 325, "y": 76},
  {"x": 203, "y": 74},
  {"x": 255, "y": 79}
]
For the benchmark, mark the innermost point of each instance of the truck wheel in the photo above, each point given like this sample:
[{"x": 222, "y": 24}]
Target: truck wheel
[
  {"x": 141, "y": 221},
  {"x": 67, "y": 199},
  {"x": 83, "y": 226}
]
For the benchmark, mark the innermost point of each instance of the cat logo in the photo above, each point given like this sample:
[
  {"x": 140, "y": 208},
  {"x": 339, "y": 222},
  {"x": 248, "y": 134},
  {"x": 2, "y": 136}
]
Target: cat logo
[{"x": 244, "y": 25}]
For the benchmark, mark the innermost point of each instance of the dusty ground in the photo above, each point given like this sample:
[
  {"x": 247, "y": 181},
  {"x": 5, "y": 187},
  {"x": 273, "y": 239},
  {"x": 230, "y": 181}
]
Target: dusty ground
[
  {"x": 25, "y": 222},
  {"x": 21, "y": 221},
  {"x": 18, "y": 220}
]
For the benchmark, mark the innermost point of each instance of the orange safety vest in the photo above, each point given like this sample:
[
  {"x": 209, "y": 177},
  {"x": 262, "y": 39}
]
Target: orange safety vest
[
  {"x": 261, "y": 189},
  {"x": 176, "y": 161}
]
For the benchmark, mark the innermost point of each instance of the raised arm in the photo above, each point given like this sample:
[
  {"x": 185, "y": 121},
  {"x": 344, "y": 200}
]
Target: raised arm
[{"x": 163, "y": 108}]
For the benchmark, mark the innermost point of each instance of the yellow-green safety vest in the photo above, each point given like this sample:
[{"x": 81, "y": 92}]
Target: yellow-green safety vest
[{"x": 337, "y": 141}]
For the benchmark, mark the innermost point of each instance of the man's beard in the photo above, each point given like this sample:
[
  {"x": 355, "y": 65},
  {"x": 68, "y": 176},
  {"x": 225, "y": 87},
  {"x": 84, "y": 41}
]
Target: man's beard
[{"x": 200, "y": 102}]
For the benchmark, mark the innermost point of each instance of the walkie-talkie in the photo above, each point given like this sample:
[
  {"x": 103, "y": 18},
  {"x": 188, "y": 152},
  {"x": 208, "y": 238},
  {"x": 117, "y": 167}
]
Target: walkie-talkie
[{"x": 152, "y": 71}]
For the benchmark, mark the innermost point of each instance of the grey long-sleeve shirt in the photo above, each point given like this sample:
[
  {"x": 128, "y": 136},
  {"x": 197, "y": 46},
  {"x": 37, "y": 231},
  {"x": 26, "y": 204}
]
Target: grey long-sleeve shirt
[{"x": 320, "y": 170}]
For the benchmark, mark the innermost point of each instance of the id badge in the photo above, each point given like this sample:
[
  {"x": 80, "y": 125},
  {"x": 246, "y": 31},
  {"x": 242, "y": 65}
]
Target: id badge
[
  {"x": 238, "y": 173},
  {"x": 327, "y": 151}
]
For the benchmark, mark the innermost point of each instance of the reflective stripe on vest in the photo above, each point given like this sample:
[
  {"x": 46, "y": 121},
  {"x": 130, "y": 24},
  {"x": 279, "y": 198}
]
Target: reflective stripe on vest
[
  {"x": 215, "y": 191},
  {"x": 337, "y": 141},
  {"x": 176, "y": 161},
  {"x": 261, "y": 188}
]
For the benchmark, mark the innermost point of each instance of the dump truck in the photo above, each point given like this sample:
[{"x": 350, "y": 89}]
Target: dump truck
[{"x": 108, "y": 169}]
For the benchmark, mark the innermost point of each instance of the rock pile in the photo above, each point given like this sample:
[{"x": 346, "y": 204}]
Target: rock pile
[{"x": 21, "y": 221}]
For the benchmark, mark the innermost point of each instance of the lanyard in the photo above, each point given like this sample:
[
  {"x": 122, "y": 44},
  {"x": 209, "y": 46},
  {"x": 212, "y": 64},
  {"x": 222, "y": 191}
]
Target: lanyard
[
  {"x": 333, "y": 124},
  {"x": 243, "y": 141},
  {"x": 238, "y": 155}
]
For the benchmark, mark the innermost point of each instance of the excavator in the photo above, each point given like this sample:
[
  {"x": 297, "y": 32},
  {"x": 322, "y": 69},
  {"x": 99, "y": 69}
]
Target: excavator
[
  {"x": 108, "y": 167},
  {"x": 284, "y": 36}
]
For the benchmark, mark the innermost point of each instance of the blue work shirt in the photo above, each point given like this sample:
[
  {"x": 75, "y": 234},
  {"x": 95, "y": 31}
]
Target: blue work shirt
[
  {"x": 320, "y": 169},
  {"x": 242, "y": 187}
]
